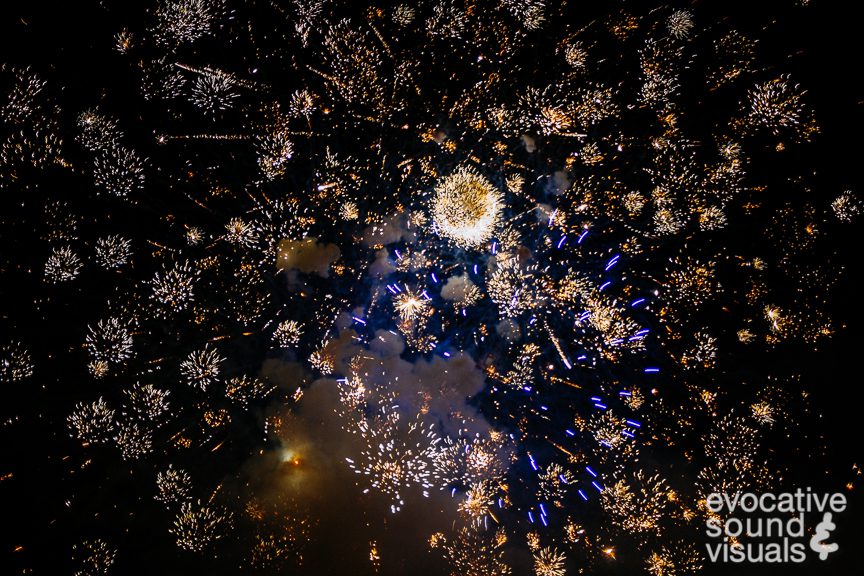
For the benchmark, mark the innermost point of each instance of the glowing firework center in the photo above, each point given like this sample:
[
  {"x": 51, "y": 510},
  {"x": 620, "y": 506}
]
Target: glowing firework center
[{"x": 466, "y": 208}]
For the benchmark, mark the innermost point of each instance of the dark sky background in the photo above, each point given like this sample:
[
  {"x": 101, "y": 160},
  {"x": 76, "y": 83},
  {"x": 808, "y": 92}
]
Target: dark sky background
[{"x": 70, "y": 44}]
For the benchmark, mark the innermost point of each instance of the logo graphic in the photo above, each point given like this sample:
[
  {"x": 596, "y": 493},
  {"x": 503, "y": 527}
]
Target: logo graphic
[
  {"x": 817, "y": 542},
  {"x": 771, "y": 527}
]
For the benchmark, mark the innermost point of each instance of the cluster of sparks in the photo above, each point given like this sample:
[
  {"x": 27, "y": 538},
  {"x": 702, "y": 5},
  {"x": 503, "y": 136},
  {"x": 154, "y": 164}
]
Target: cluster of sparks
[{"x": 566, "y": 229}]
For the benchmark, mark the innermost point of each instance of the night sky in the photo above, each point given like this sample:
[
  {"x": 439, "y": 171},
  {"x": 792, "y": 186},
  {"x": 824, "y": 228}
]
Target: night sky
[{"x": 449, "y": 287}]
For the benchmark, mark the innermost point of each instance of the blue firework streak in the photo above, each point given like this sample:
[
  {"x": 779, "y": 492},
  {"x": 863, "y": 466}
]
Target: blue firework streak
[{"x": 564, "y": 343}]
